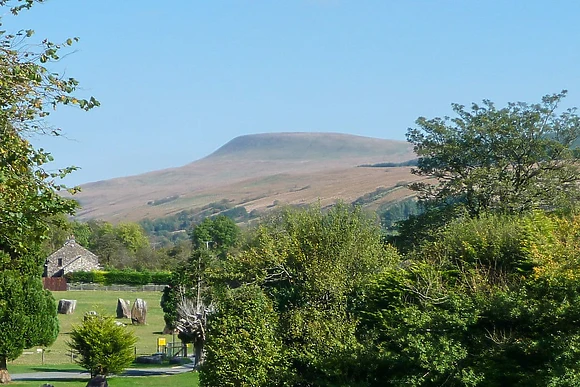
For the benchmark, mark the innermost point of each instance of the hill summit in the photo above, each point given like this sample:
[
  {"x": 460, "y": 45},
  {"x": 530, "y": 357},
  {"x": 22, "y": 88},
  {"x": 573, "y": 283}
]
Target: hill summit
[
  {"x": 254, "y": 171},
  {"x": 309, "y": 146}
]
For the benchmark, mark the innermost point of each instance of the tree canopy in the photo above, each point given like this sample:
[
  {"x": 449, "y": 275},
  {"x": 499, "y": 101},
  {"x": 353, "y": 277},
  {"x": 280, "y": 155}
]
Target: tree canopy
[
  {"x": 28, "y": 193},
  {"x": 243, "y": 348},
  {"x": 219, "y": 234},
  {"x": 514, "y": 159},
  {"x": 308, "y": 264},
  {"x": 492, "y": 302}
]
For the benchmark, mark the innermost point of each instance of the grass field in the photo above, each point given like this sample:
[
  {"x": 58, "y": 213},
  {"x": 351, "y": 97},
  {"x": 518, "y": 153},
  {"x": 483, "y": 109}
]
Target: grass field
[
  {"x": 103, "y": 302},
  {"x": 189, "y": 379}
]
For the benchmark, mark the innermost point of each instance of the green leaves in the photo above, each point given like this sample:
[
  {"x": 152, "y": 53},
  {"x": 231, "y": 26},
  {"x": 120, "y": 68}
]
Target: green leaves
[
  {"x": 491, "y": 301},
  {"x": 28, "y": 193},
  {"x": 308, "y": 263},
  {"x": 513, "y": 159},
  {"x": 243, "y": 348},
  {"x": 27, "y": 312},
  {"x": 219, "y": 234},
  {"x": 103, "y": 346},
  {"x": 27, "y": 88}
]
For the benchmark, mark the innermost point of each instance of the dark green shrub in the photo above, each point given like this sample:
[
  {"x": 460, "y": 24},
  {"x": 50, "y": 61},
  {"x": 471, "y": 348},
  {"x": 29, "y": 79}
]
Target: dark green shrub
[
  {"x": 160, "y": 277},
  {"x": 128, "y": 277}
]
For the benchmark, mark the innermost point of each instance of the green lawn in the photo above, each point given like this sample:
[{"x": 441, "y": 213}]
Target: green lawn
[
  {"x": 105, "y": 302},
  {"x": 186, "y": 379}
]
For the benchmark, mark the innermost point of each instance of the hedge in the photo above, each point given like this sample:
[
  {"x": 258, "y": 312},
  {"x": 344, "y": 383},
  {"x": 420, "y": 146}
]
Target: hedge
[{"x": 120, "y": 277}]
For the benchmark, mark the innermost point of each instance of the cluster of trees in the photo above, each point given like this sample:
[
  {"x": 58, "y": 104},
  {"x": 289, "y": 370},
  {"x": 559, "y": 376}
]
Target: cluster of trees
[
  {"x": 492, "y": 302},
  {"x": 316, "y": 298},
  {"x": 212, "y": 240},
  {"x": 28, "y": 192},
  {"x": 479, "y": 289},
  {"x": 376, "y": 195},
  {"x": 408, "y": 163},
  {"x": 122, "y": 246},
  {"x": 390, "y": 214},
  {"x": 171, "y": 229},
  {"x": 293, "y": 284},
  {"x": 141, "y": 246}
]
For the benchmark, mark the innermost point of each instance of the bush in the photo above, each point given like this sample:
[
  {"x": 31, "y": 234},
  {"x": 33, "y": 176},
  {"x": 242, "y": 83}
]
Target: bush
[
  {"x": 160, "y": 277},
  {"x": 127, "y": 277},
  {"x": 120, "y": 277},
  {"x": 97, "y": 277},
  {"x": 103, "y": 346},
  {"x": 243, "y": 348}
]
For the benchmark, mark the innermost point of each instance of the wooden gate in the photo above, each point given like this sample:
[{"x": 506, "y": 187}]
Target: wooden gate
[{"x": 55, "y": 284}]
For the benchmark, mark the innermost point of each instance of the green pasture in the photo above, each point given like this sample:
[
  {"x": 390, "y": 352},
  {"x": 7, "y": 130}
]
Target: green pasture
[{"x": 102, "y": 302}]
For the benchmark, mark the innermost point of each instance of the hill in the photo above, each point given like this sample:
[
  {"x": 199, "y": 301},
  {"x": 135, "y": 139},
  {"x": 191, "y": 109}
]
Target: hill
[{"x": 258, "y": 172}]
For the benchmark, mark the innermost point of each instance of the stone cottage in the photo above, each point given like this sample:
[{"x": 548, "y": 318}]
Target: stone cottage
[{"x": 70, "y": 257}]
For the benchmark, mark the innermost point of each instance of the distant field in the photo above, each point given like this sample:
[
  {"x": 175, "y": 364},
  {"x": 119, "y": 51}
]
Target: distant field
[{"x": 104, "y": 302}]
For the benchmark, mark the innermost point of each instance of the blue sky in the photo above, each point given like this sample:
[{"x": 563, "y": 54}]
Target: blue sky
[{"x": 179, "y": 79}]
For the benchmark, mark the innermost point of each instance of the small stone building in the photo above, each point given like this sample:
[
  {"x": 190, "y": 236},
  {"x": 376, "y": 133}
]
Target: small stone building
[{"x": 70, "y": 257}]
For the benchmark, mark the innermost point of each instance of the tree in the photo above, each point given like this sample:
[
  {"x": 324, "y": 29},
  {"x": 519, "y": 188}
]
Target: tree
[
  {"x": 27, "y": 315},
  {"x": 186, "y": 301},
  {"x": 103, "y": 346},
  {"x": 494, "y": 301},
  {"x": 121, "y": 246},
  {"x": 59, "y": 231},
  {"x": 243, "y": 348},
  {"x": 28, "y": 193},
  {"x": 515, "y": 159},
  {"x": 131, "y": 236},
  {"x": 413, "y": 334},
  {"x": 310, "y": 263},
  {"x": 219, "y": 234}
]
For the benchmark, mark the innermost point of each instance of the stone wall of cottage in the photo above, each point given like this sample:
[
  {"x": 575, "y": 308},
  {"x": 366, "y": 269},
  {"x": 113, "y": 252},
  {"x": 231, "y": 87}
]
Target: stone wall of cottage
[
  {"x": 82, "y": 263},
  {"x": 71, "y": 257}
]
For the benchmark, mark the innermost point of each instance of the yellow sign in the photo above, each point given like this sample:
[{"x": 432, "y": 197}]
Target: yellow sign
[{"x": 161, "y": 341}]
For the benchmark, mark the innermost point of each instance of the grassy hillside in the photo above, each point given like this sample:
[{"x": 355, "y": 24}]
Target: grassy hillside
[{"x": 258, "y": 172}]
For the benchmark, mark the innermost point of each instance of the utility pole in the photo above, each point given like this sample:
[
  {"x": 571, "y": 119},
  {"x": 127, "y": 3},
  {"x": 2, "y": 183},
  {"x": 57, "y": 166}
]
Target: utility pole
[{"x": 198, "y": 302}]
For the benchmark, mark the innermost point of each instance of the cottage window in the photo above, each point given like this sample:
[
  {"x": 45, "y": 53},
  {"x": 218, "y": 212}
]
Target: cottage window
[{"x": 60, "y": 262}]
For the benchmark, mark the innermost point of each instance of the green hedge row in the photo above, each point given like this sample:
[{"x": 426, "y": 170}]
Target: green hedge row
[{"x": 120, "y": 277}]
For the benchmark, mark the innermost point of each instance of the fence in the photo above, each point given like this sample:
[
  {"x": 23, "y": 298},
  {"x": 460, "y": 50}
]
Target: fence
[
  {"x": 41, "y": 355},
  {"x": 55, "y": 284},
  {"x": 121, "y": 288},
  {"x": 176, "y": 349}
]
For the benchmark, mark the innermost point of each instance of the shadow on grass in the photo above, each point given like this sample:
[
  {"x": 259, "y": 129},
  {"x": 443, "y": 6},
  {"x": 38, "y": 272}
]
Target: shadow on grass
[
  {"x": 47, "y": 378},
  {"x": 145, "y": 372},
  {"x": 57, "y": 369}
]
